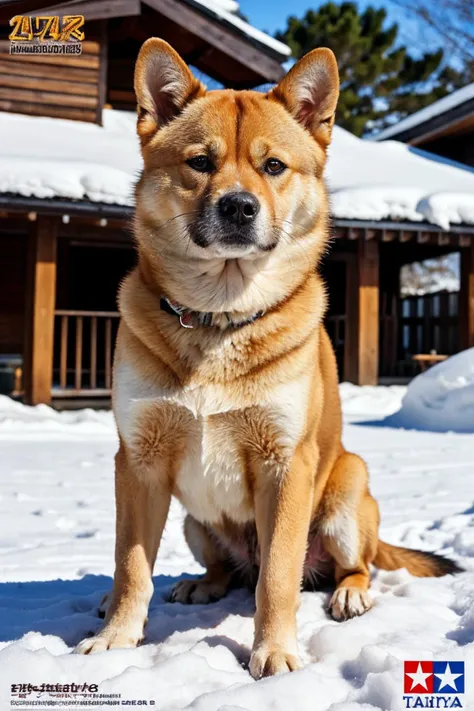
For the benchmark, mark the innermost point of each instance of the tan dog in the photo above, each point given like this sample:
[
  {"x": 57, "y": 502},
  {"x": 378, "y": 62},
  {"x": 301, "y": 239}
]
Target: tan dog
[{"x": 225, "y": 383}]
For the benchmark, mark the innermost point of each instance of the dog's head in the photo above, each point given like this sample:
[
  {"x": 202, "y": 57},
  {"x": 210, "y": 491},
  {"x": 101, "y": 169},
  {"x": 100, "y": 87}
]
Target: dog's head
[{"x": 231, "y": 197}]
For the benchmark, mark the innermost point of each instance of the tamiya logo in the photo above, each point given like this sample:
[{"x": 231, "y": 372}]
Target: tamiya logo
[{"x": 433, "y": 685}]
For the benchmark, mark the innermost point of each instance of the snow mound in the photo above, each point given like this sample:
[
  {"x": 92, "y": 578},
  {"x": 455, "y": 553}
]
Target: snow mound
[
  {"x": 359, "y": 401},
  {"x": 442, "y": 398},
  {"x": 18, "y": 421}
]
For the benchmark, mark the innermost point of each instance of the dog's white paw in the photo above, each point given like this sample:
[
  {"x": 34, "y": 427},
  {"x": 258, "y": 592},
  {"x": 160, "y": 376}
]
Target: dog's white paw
[
  {"x": 197, "y": 592},
  {"x": 349, "y": 602},
  {"x": 110, "y": 637},
  {"x": 267, "y": 661}
]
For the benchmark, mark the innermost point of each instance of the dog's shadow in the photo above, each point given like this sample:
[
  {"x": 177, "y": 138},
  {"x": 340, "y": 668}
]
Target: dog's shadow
[{"x": 69, "y": 609}]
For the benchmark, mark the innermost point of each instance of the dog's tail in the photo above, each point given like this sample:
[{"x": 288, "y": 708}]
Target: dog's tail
[{"x": 418, "y": 563}]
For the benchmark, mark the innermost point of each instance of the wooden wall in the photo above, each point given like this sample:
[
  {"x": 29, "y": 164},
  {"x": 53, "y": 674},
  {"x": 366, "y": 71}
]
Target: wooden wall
[
  {"x": 60, "y": 86},
  {"x": 13, "y": 267}
]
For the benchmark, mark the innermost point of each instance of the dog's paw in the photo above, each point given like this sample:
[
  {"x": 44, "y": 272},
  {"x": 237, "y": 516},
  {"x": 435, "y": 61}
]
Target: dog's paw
[
  {"x": 197, "y": 592},
  {"x": 268, "y": 661},
  {"x": 349, "y": 602},
  {"x": 108, "y": 638}
]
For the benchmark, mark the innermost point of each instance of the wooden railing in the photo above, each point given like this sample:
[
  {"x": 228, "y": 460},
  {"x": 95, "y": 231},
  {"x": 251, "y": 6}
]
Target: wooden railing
[
  {"x": 83, "y": 353},
  {"x": 429, "y": 323}
]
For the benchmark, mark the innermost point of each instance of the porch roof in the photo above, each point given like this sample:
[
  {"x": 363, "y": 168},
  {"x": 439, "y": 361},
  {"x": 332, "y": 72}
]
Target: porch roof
[
  {"x": 47, "y": 158},
  {"x": 442, "y": 116}
]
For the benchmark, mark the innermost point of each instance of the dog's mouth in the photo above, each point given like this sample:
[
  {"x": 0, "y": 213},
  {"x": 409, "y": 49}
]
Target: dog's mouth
[{"x": 212, "y": 237}]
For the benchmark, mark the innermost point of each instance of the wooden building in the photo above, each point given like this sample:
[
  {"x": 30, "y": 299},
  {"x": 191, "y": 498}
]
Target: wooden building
[
  {"x": 446, "y": 127},
  {"x": 65, "y": 206}
]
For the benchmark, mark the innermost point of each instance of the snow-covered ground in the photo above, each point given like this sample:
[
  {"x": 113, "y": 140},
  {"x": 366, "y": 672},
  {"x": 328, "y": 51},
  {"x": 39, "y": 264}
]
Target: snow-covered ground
[{"x": 56, "y": 559}]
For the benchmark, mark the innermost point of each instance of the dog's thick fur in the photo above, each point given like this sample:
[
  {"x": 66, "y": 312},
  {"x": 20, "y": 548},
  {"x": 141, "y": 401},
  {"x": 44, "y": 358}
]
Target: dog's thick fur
[{"x": 242, "y": 424}]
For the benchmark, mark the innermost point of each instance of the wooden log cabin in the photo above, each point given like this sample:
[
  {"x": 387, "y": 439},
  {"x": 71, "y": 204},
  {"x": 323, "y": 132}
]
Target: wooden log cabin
[{"x": 67, "y": 160}]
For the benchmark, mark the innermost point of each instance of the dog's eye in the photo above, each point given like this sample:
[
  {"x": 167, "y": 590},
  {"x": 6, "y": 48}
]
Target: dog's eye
[
  {"x": 273, "y": 166},
  {"x": 200, "y": 163}
]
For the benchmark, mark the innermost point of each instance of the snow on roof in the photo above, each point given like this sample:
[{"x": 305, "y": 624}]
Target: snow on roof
[
  {"x": 436, "y": 109},
  {"x": 56, "y": 158},
  {"x": 225, "y": 10}
]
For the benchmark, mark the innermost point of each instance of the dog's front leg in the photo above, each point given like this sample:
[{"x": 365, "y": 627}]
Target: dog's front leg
[
  {"x": 142, "y": 508},
  {"x": 283, "y": 504}
]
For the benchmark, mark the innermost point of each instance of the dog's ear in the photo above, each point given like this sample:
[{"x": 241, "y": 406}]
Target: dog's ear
[
  {"x": 310, "y": 92},
  {"x": 164, "y": 84}
]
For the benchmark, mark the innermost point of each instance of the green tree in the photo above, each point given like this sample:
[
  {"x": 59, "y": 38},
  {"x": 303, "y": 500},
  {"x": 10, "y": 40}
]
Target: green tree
[{"x": 379, "y": 80}]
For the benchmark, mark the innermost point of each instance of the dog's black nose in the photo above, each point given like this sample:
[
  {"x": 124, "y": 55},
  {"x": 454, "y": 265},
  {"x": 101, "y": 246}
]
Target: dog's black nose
[{"x": 239, "y": 208}]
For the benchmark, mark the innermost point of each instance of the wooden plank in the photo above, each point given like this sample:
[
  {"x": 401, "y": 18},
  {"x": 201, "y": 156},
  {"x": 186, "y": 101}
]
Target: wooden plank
[
  {"x": 78, "y": 366},
  {"x": 21, "y": 107},
  {"x": 47, "y": 97},
  {"x": 63, "y": 352},
  {"x": 95, "y": 9},
  {"x": 48, "y": 85},
  {"x": 41, "y": 295},
  {"x": 72, "y": 392},
  {"x": 99, "y": 314},
  {"x": 93, "y": 381},
  {"x": 60, "y": 73},
  {"x": 220, "y": 37},
  {"x": 85, "y": 61},
  {"x": 466, "y": 298},
  {"x": 368, "y": 317}
]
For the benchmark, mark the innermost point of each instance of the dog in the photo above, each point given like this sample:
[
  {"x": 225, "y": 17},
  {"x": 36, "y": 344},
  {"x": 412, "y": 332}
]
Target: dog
[{"x": 225, "y": 382}]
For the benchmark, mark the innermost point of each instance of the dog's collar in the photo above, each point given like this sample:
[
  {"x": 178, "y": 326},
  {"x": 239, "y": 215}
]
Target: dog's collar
[{"x": 188, "y": 318}]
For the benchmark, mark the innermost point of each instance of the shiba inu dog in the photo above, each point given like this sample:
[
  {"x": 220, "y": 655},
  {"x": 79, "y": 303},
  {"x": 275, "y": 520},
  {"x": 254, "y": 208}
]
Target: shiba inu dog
[{"x": 225, "y": 382}]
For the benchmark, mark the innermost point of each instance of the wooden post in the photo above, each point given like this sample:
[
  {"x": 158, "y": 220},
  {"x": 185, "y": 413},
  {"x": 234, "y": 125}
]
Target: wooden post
[
  {"x": 367, "y": 299},
  {"x": 350, "y": 335},
  {"x": 41, "y": 298},
  {"x": 466, "y": 298}
]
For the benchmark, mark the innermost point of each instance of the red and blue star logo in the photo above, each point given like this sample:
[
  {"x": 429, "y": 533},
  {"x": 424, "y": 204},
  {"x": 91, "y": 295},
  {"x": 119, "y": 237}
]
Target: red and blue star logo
[{"x": 434, "y": 678}]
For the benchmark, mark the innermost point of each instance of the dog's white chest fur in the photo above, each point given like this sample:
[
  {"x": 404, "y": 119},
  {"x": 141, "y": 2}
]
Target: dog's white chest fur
[{"x": 210, "y": 479}]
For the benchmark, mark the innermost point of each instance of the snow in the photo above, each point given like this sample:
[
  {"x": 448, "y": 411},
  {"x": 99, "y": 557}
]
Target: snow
[
  {"x": 441, "y": 399},
  {"x": 45, "y": 158},
  {"x": 56, "y": 553},
  {"x": 438, "y": 107},
  {"x": 392, "y": 181}
]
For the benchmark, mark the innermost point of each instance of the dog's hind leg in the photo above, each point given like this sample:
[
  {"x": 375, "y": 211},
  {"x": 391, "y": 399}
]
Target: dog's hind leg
[
  {"x": 348, "y": 521},
  {"x": 215, "y": 583}
]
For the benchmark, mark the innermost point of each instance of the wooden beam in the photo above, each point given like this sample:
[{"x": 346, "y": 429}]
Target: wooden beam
[
  {"x": 367, "y": 355},
  {"x": 466, "y": 298},
  {"x": 41, "y": 298},
  {"x": 46, "y": 97},
  {"x": 54, "y": 73},
  {"x": 48, "y": 85},
  {"x": 217, "y": 35}
]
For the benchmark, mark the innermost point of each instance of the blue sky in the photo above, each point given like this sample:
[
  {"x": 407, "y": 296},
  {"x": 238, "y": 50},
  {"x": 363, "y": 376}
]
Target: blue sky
[{"x": 270, "y": 15}]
